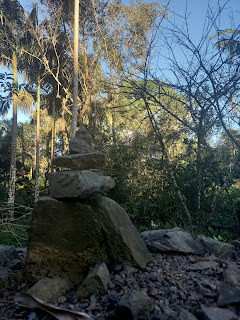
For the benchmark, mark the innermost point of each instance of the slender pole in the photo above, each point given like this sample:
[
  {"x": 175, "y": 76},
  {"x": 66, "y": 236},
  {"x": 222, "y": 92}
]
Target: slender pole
[{"x": 75, "y": 70}]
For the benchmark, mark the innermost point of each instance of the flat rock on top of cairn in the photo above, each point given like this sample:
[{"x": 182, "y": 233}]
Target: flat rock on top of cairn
[
  {"x": 81, "y": 143},
  {"x": 78, "y": 161}
]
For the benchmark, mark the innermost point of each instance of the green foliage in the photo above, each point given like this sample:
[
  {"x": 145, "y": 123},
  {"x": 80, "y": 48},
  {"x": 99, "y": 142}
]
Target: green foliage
[{"x": 220, "y": 235}]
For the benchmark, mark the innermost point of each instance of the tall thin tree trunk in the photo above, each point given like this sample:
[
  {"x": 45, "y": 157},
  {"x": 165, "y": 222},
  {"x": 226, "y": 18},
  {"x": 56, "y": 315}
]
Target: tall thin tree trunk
[
  {"x": 23, "y": 144},
  {"x": 53, "y": 138},
  {"x": 113, "y": 112},
  {"x": 37, "y": 142},
  {"x": 75, "y": 70},
  {"x": 199, "y": 174},
  {"x": 12, "y": 178}
]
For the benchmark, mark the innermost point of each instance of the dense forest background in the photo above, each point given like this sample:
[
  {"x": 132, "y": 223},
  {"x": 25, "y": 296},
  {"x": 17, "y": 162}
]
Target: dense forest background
[{"x": 163, "y": 108}]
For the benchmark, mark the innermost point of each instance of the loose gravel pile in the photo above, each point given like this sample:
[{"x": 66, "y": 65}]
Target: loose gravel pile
[{"x": 173, "y": 287}]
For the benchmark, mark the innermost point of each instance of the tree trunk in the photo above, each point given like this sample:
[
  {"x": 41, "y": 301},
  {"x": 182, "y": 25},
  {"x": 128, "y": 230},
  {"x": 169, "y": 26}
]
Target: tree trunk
[
  {"x": 199, "y": 174},
  {"x": 53, "y": 129},
  {"x": 12, "y": 178},
  {"x": 113, "y": 126},
  {"x": 75, "y": 70},
  {"x": 37, "y": 167}
]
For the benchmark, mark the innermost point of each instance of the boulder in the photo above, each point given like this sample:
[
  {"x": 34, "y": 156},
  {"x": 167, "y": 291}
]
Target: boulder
[
  {"x": 97, "y": 280},
  {"x": 212, "y": 313},
  {"x": 81, "y": 143},
  {"x": 7, "y": 253},
  {"x": 78, "y": 161},
  {"x": 123, "y": 241},
  {"x": 47, "y": 289},
  {"x": 172, "y": 240},
  {"x": 137, "y": 302},
  {"x": 215, "y": 247},
  {"x": 78, "y": 184},
  {"x": 65, "y": 240}
]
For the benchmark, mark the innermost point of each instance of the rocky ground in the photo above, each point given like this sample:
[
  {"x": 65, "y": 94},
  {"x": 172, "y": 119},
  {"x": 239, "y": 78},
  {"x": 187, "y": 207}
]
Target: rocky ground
[{"x": 184, "y": 287}]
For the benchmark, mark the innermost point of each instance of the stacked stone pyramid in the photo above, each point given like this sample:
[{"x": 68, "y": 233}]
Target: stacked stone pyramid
[{"x": 76, "y": 228}]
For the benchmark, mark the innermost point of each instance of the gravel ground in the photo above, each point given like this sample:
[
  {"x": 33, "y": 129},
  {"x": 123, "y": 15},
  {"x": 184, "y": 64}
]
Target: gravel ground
[{"x": 176, "y": 286}]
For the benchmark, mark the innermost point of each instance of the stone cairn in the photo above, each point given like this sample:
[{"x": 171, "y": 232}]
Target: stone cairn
[{"x": 76, "y": 228}]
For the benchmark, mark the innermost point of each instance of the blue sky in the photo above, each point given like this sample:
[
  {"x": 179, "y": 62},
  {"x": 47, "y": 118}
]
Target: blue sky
[
  {"x": 196, "y": 15},
  {"x": 197, "y": 11}
]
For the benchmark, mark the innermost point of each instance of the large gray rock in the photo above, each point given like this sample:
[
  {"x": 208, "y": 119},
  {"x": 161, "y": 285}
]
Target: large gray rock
[
  {"x": 85, "y": 161},
  {"x": 215, "y": 247},
  {"x": 81, "y": 143},
  {"x": 97, "y": 280},
  {"x": 47, "y": 289},
  {"x": 78, "y": 184},
  {"x": 123, "y": 241},
  {"x": 65, "y": 240},
  {"x": 172, "y": 240}
]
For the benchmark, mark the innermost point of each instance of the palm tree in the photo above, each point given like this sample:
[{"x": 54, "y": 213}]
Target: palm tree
[
  {"x": 228, "y": 40},
  {"x": 12, "y": 20}
]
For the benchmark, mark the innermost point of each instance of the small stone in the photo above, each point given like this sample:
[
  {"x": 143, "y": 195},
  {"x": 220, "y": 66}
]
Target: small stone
[
  {"x": 32, "y": 316},
  {"x": 153, "y": 291},
  {"x": 185, "y": 315},
  {"x": 62, "y": 299},
  {"x": 227, "y": 294},
  {"x": 97, "y": 280},
  {"x": 182, "y": 296},
  {"x": 48, "y": 289},
  {"x": 130, "y": 270},
  {"x": 111, "y": 285},
  {"x": 228, "y": 255},
  {"x": 231, "y": 275},
  {"x": 203, "y": 265},
  {"x": 7, "y": 253},
  {"x": 137, "y": 302}
]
